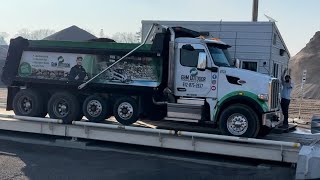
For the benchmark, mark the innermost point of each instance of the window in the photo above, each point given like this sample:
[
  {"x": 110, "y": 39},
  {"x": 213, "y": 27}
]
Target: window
[
  {"x": 250, "y": 65},
  {"x": 220, "y": 55},
  {"x": 189, "y": 58},
  {"x": 275, "y": 70}
]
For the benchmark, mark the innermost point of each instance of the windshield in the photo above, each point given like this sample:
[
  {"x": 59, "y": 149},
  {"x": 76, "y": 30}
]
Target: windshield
[{"x": 220, "y": 55}]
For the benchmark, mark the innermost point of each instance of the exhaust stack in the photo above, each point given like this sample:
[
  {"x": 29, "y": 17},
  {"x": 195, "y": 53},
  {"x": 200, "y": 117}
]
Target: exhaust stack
[{"x": 255, "y": 8}]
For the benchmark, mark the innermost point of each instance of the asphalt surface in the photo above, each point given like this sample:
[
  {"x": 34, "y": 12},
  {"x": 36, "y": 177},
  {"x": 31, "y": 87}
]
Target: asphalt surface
[{"x": 28, "y": 161}]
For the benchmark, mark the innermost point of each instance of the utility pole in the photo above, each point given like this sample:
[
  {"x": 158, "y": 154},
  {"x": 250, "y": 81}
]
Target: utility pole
[{"x": 255, "y": 8}]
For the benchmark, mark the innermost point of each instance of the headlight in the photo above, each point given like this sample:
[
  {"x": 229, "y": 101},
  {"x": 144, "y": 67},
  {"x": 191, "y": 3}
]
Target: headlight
[{"x": 264, "y": 97}]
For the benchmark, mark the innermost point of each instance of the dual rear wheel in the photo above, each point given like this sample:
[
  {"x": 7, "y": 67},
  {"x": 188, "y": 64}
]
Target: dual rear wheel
[
  {"x": 68, "y": 107},
  {"x": 97, "y": 109},
  {"x": 28, "y": 102}
]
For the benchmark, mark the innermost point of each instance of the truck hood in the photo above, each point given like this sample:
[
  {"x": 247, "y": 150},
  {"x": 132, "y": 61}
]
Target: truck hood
[{"x": 251, "y": 81}]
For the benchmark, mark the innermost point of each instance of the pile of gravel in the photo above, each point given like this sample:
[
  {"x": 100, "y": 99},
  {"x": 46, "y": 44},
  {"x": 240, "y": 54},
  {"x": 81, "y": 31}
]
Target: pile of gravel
[{"x": 308, "y": 58}]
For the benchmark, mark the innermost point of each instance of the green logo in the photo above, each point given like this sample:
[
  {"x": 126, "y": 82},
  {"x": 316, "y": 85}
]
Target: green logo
[
  {"x": 193, "y": 71},
  {"x": 25, "y": 69},
  {"x": 60, "y": 59}
]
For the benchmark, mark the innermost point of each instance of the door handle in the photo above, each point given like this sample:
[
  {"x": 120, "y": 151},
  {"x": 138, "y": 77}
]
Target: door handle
[{"x": 182, "y": 89}]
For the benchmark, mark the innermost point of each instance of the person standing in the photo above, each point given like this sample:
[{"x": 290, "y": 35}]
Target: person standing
[{"x": 287, "y": 86}]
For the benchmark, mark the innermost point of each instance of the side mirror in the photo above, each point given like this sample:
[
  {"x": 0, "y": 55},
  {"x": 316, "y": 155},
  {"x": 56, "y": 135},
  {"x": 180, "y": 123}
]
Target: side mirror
[
  {"x": 238, "y": 62},
  {"x": 202, "y": 61}
]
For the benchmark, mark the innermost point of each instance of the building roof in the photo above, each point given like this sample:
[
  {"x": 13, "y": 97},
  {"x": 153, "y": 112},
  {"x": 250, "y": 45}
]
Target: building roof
[{"x": 72, "y": 33}]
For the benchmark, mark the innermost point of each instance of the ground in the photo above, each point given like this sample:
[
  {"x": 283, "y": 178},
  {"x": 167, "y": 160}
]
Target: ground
[
  {"x": 309, "y": 107},
  {"x": 25, "y": 161}
]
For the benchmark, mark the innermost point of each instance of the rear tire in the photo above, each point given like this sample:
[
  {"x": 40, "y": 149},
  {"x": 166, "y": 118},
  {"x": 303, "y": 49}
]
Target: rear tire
[
  {"x": 126, "y": 111},
  {"x": 95, "y": 108},
  {"x": 29, "y": 102},
  {"x": 65, "y": 106},
  {"x": 239, "y": 120}
]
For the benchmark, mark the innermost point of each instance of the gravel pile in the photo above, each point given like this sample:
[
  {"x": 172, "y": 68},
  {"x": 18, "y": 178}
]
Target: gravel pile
[{"x": 308, "y": 58}]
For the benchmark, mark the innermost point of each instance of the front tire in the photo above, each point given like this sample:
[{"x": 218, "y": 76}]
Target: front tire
[
  {"x": 29, "y": 102},
  {"x": 125, "y": 111},
  {"x": 95, "y": 108},
  {"x": 65, "y": 106},
  {"x": 239, "y": 120}
]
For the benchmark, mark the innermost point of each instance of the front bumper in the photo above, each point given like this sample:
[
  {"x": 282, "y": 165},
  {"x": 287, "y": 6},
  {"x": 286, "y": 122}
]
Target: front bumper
[{"x": 272, "y": 119}]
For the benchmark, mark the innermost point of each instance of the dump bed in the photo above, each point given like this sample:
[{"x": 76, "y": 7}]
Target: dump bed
[{"x": 72, "y": 63}]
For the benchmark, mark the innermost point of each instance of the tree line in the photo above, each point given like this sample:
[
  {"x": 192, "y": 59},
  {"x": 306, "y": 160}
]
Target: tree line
[{"x": 121, "y": 37}]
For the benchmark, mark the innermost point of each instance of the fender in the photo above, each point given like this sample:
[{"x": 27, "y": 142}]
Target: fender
[{"x": 240, "y": 97}]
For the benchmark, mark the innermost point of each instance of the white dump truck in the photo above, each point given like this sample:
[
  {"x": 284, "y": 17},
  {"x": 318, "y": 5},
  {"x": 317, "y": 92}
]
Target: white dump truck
[{"x": 181, "y": 76}]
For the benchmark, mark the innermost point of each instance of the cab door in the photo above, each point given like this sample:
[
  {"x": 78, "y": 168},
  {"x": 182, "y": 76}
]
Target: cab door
[{"x": 189, "y": 80}]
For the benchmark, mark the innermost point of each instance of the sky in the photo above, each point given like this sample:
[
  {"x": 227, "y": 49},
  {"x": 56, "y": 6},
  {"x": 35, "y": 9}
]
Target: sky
[{"x": 297, "y": 20}]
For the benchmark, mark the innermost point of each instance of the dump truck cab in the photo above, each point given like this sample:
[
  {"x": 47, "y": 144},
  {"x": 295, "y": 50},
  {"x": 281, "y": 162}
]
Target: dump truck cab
[{"x": 208, "y": 87}]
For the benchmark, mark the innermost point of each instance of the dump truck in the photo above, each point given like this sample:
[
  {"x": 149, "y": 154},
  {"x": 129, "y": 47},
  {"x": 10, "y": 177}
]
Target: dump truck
[{"x": 180, "y": 76}]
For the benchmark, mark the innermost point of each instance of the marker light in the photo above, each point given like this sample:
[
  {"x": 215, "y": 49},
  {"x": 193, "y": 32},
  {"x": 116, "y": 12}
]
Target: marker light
[{"x": 264, "y": 97}]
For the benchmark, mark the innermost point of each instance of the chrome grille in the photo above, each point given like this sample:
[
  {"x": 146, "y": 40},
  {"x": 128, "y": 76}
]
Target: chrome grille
[{"x": 274, "y": 94}]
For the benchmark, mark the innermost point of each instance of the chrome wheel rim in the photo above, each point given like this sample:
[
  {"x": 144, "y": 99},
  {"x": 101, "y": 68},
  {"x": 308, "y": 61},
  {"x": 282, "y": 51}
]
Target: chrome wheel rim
[
  {"x": 237, "y": 124},
  {"x": 125, "y": 110},
  {"x": 61, "y": 108},
  {"x": 25, "y": 105},
  {"x": 94, "y": 108}
]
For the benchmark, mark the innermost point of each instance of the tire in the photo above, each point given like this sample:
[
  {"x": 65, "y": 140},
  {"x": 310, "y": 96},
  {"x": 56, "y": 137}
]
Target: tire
[
  {"x": 242, "y": 114},
  {"x": 95, "y": 108},
  {"x": 29, "y": 102},
  {"x": 264, "y": 130},
  {"x": 65, "y": 106},
  {"x": 125, "y": 111}
]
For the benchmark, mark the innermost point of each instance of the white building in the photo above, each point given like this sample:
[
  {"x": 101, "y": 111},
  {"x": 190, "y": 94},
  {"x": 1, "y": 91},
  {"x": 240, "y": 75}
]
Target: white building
[{"x": 258, "y": 45}]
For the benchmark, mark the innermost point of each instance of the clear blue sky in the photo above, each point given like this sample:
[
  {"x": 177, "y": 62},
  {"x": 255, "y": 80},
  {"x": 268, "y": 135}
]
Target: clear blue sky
[{"x": 298, "y": 20}]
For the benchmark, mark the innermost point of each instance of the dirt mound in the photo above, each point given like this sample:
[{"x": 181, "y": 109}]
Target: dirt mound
[{"x": 308, "y": 58}]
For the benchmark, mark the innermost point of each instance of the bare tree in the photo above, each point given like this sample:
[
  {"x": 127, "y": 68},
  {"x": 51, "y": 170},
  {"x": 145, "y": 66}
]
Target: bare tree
[
  {"x": 36, "y": 34},
  {"x": 125, "y": 37},
  {"x": 139, "y": 35},
  {"x": 3, "y": 36},
  {"x": 25, "y": 33},
  {"x": 42, "y": 33}
]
